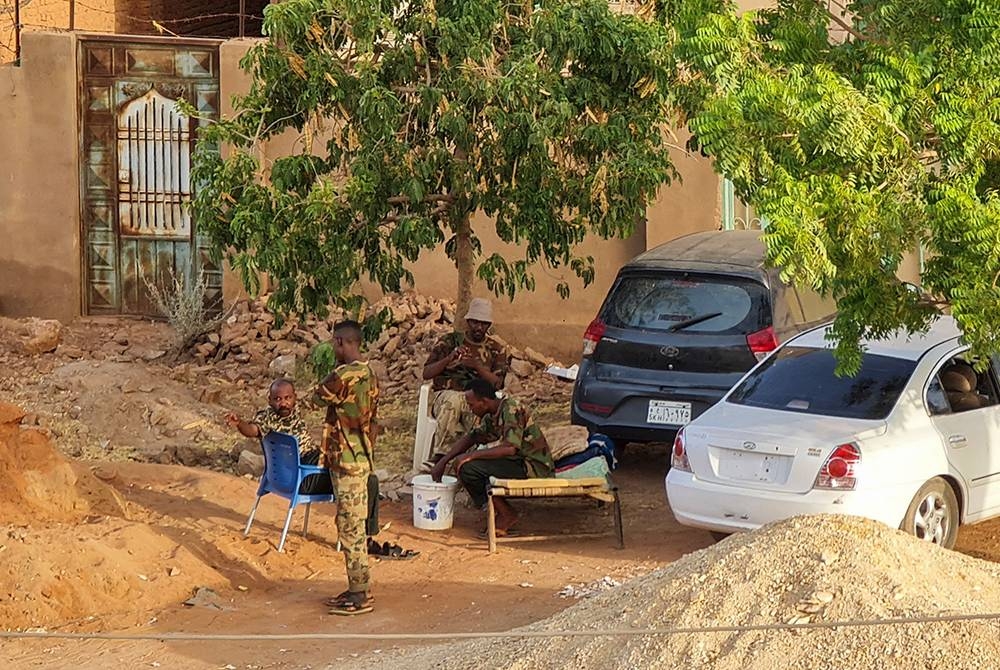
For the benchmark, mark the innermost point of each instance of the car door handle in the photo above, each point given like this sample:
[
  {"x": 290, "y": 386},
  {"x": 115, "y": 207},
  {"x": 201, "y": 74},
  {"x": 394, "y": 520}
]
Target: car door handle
[{"x": 957, "y": 440}]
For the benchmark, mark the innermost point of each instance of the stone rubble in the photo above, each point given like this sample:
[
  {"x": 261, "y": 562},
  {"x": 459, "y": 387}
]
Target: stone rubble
[{"x": 251, "y": 336}]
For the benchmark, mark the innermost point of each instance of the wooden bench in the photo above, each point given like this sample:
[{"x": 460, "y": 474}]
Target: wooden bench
[{"x": 598, "y": 488}]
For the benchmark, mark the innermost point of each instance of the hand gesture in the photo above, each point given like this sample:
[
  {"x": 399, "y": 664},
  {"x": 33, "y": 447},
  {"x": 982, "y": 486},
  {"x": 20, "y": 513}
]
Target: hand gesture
[
  {"x": 232, "y": 420},
  {"x": 437, "y": 472},
  {"x": 469, "y": 359}
]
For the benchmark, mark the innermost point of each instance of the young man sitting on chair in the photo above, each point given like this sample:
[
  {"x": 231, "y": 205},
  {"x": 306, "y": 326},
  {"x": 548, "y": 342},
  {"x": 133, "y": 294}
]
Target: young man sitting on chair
[
  {"x": 282, "y": 416},
  {"x": 522, "y": 451}
]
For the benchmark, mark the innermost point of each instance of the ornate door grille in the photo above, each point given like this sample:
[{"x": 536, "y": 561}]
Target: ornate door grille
[{"x": 154, "y": 168}]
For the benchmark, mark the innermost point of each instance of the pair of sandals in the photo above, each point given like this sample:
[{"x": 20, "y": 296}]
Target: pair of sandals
[
  {"x": 350, "y": 603},
  {"x": 390, "y": 551}
]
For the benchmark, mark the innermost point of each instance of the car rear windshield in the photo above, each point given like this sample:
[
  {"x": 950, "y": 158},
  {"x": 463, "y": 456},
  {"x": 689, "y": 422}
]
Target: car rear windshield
[
  {"x": 667, "y": 301},
  {"x": 802, "y": 379}
]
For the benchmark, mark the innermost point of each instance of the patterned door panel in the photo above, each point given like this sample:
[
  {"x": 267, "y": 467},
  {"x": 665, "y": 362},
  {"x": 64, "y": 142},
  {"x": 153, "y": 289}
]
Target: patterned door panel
[{"x": 136, "y": 157}]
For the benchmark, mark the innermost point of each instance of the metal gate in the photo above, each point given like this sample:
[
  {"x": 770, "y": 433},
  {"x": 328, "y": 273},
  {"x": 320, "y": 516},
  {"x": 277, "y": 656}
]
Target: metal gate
[{"x": 135, "y": 169}]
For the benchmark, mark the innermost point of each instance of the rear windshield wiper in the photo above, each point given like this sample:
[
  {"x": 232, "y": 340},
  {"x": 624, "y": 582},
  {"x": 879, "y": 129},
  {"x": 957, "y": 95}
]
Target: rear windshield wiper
[{"x": 692, "y": 321}]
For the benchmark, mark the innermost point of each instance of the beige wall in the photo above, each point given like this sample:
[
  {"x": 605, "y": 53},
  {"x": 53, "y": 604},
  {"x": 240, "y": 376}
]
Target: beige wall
[{"x": 39, "y": 186}]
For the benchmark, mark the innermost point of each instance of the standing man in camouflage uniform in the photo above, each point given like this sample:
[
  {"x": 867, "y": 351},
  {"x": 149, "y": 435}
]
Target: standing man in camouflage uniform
[
  {"x": 350, "y": 393},
  {"x": 522, "y": 451},
  {"x": 456, "y": 360}
]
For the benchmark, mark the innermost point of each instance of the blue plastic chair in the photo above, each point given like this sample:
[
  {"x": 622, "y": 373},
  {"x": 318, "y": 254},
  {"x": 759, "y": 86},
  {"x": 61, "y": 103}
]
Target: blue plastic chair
[{"x": 283, "y": 475}]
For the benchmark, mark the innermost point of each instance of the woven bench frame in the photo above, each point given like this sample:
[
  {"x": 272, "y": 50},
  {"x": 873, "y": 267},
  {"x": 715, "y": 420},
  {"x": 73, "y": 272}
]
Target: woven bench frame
[{"x": 598, "y": 488}]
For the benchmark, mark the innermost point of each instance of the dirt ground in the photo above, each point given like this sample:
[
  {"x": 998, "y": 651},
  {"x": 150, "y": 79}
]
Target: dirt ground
[{"x": 175, "y": 528}]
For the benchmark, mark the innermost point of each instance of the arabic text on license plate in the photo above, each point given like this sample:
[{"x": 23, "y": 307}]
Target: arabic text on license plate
[{"x": 671, "y": 413}]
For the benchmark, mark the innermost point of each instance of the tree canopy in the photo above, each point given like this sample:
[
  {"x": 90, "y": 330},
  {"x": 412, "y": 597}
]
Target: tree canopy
[
  {"x": 861, "y": 132},
  {"x": 408, "y": 117}
]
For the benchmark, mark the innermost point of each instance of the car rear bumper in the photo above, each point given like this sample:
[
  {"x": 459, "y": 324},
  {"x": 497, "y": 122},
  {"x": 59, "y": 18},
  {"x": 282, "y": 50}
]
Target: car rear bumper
[
  {"x": 731, "y": 509},
  {"x": 627, "y": 421}
]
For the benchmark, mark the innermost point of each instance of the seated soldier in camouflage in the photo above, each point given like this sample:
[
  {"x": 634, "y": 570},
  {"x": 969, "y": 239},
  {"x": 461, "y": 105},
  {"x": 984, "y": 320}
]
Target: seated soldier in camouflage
[
  {"x": 521, "y": 452},
  {"x": 456, "y": 360},
  {"x": 282, "y": 416}
]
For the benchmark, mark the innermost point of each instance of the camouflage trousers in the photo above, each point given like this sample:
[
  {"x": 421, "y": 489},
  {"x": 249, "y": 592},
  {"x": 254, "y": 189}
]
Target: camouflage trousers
[
  {"x": 454, "y": 419},
  {"x": 352, "y": 511}
]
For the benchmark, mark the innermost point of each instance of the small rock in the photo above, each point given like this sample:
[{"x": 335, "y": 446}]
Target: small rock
[
  {"x": 121, "y": 337},
  {"x": 283, "y": 365},
  {"x": 521, "y": 368},
  {"x": 823, "y": 597},
  {"x": 828, "y": 557},
  {"x": 75, "y": 411},
  {"x": 250, "y": 464},
  {"x": 391, "y": 346},
  {"x": 537, "y": 358},
  {"x": 173, "y": 571},
  {"x": 75, "y": 353},
  {"x": 43, "y": 336}
]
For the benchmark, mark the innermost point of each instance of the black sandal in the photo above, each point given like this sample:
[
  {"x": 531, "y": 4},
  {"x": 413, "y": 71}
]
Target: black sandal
[
  {"x": 390, "y": 551},
  {"x": 339, "y": 599},
  {"x": 353, "y": 605}
]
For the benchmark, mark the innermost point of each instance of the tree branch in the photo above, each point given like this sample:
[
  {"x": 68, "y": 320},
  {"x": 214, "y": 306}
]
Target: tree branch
[
  {"x": 433, "y": 197},
  {"x": 845, "y": 25}
]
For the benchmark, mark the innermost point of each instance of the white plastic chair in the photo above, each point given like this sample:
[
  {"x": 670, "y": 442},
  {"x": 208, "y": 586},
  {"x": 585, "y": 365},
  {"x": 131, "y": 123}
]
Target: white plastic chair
[{"x": 426, "y": 427}]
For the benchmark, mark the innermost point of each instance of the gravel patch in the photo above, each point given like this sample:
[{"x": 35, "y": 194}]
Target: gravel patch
[{"x": 806, "y": 569}]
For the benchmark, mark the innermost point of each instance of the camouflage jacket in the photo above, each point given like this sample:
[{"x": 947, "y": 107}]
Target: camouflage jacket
[
  {"x": 267, "y": 420},
  {"x": 490, "y": 351},
  {"x": 350, "y": 393},
  {"x": 512, "y": 425}
]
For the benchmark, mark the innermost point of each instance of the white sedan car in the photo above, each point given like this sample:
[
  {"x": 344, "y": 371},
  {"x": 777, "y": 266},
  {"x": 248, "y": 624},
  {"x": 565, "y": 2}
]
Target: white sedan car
[{"x": 913, "y": 440}]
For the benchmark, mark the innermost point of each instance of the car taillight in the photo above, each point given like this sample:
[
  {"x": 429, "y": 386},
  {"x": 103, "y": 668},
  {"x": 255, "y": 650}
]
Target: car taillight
[
  {"x": 840, "y": 470},
  {"x": 679, "y": 457},
  {"x": 593, "y": 335},
  {"x": 594, "y": 408},
  {"x": 762, "y": 342}
]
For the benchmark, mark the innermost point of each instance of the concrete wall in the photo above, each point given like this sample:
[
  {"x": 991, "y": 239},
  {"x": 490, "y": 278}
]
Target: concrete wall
[{"x": 39, "y": 185}]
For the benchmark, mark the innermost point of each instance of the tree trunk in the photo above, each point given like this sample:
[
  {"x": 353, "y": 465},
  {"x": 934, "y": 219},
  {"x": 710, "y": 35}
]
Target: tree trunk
[{"x": 465, "y": 264}]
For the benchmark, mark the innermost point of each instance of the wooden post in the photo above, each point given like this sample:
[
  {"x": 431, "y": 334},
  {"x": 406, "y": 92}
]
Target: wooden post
[
  {"x": 17, "y": 32},
  {"x": 243, "y": 17},
  {"x": 72, "y": 14},
  {"x": 491, "y": 522}
]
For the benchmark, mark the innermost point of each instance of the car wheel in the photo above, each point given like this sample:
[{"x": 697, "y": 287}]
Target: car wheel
[
  {"x": 933, "y": 514},
  {"x": 718, "y": 535}
]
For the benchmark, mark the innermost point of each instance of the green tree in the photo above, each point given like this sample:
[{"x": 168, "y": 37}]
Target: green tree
[
  {"x": 409, "y": 117},
  {"x": 860, "y": 132}
]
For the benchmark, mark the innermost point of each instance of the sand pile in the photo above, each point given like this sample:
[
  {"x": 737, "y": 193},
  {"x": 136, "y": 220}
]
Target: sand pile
[
  {"x": 66, "y": 549},
  {"x": 40, "y": 484},
  {"x": 807, "y": 569}
]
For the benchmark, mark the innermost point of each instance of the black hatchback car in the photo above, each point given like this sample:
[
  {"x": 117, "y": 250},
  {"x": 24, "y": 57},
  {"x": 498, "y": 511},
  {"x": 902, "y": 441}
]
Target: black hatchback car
[{"x": 682, "y": 323}]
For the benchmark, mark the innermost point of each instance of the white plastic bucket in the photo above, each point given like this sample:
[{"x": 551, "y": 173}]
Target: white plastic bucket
[{"x": 433, "y": 502}]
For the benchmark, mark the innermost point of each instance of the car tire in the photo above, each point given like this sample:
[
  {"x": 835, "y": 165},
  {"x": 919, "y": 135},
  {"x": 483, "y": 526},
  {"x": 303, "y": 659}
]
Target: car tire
[
  {"x": 718, "y": 535},
  {"x": 933, "y": 514}
]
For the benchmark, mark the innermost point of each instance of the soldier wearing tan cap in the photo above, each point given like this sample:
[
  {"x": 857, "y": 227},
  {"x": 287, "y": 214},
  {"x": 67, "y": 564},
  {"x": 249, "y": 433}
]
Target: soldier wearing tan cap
[{"x": 455, "y": 361}]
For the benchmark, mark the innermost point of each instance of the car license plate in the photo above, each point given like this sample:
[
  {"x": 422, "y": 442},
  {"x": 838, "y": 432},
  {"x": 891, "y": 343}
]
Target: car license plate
[
  {"x": 746, "y": 467},
  {"x": 669, "y": 413}
]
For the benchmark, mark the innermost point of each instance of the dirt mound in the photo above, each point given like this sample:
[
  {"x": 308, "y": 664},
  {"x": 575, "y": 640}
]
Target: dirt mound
[
  {"x": 807, "y": 569},
  {"x": 40, "y": 484}
]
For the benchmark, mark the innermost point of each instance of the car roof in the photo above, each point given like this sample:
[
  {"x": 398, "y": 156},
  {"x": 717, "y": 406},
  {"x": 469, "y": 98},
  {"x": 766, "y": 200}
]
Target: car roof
[
  {"x": 737, "y": 250},
  {"x": 899, "y": 345}
]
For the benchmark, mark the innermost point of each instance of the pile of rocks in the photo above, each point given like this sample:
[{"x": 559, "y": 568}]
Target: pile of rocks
[{"x": 251, "y": 336}]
